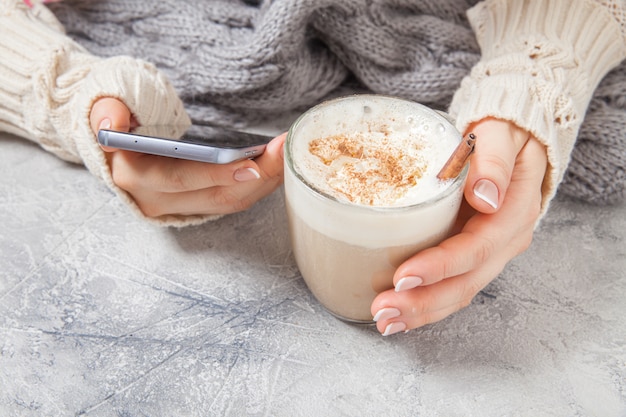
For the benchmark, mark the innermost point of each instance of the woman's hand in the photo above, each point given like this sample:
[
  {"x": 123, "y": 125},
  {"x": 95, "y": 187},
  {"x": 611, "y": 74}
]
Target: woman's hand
[
  {"x": 496, "y": 223},
  {"x": 168, "y": 186}
]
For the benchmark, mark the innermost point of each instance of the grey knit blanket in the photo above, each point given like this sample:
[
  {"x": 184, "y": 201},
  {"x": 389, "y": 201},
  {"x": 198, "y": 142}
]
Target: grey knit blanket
[{"x": 236, "y": 62}]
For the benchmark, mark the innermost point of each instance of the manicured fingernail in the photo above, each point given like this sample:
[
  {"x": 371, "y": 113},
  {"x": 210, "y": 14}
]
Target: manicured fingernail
[
  {"x": 386, "y": 313},
  {"x": 487, "y": 191},
  {"x": 394, "y": 327},
  {"x": 407, "y": 283},
  {"x": 246, "y": 174},
  {"x": 105, "y": 124}
]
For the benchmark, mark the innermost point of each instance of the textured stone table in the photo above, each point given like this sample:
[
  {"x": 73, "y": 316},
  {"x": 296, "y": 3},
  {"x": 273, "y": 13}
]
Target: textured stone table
[{"x": 102, "y": 314}]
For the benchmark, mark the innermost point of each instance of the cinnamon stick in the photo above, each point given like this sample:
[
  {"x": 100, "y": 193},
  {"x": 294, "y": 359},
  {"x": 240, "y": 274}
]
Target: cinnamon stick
[{"x": 454, "y": 165}]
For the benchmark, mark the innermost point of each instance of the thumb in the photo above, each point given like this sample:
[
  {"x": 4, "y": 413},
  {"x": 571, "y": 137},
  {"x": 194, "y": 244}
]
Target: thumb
[
  {"x": 271, "y": 161},
  {"x": 110, "y": 113},
  {"x": 498, "y": 142}
]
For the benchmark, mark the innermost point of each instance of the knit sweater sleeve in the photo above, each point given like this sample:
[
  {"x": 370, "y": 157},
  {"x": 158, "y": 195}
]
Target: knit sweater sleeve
[
  {"x": 48, "y": 84},
  {"x": 540, "y": 63}
]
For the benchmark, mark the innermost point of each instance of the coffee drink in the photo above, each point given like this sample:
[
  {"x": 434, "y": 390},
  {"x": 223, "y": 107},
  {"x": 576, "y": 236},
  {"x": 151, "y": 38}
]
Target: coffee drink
[{"x": 362, "y": 194}]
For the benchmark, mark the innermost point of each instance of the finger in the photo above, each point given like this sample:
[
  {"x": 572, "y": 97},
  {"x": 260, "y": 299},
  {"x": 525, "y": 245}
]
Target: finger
[
  {"x": 497, "y": 146},
  {"x": 482, "y": 236},
  {"x": 441, "y": 295},
  {"x": 110, "y": 113},
  {"x": 271, "y": 161},
  {"x": 112, "y": 109},
  {"x": 530, "y": 169},
  {"x": 418, "y": 307},
  {"x": 270, "y": 165},
  {"x": 466, "y": 212},
  {"x": 398, "y": 323},
  {"x": 134, "y": 172},
  {"x": 198, "y": 202},
  {"x": 456, "y": 255}
]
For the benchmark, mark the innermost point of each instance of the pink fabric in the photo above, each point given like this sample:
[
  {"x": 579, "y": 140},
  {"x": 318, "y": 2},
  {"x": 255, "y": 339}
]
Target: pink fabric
[{"x": 29, "y": 3}]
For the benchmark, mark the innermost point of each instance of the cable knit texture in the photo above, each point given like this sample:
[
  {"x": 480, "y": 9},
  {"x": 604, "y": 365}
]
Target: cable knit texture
[
  {"x": 233, "y": 62},
  {"x": 236, "y": 62}
]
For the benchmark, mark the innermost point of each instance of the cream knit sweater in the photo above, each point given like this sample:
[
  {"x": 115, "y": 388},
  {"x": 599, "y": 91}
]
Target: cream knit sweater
[
  {"x": 541, "y": 62},
  {"x": 48, "y": 84}
]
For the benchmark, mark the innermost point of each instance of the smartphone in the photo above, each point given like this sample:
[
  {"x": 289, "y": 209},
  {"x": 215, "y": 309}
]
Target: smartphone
[{"x": 197, "y": 142}]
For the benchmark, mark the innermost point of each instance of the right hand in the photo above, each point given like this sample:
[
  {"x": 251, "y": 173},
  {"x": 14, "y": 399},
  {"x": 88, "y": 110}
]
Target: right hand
[
  {"x": 496, "y": 224},
  {"x": 167, "y": 186}
]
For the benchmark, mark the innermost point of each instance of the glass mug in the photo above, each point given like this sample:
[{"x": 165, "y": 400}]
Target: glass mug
[{"x": 348, "y": 238}]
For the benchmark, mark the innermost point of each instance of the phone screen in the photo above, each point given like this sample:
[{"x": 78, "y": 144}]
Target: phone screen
[{"x": 204, "y": 135}]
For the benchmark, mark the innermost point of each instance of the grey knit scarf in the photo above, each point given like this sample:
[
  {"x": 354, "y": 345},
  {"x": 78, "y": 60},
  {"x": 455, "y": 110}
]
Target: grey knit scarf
[{"x": 236, "y": 62}]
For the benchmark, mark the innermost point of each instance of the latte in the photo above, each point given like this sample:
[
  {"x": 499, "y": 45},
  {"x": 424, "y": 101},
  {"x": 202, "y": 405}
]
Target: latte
[{"x": 362, "y": 195}]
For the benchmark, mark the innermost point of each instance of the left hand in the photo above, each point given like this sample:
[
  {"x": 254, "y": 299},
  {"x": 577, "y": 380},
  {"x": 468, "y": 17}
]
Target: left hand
[
  {"x": 162, "y": 186},
  {"x": 496, "y": 222}
]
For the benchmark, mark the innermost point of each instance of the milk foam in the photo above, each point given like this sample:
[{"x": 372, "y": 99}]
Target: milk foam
[{"x": 375, "y": 154}]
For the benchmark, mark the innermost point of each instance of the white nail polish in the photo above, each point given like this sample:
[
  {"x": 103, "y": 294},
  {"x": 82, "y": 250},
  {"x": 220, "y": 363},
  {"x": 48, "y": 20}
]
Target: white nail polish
[
  {"x": 105, "y": 124},
  {"x": 386, "y": 313},
  {"x": 488, "y": 192},
  {"x": 408, "y": 283},
  {"x": 393, "y": 328},
  {"x": 246, "y": 174}
]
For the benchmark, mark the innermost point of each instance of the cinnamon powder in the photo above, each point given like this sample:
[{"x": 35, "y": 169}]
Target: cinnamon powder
[{"x": 369, "y": 169}]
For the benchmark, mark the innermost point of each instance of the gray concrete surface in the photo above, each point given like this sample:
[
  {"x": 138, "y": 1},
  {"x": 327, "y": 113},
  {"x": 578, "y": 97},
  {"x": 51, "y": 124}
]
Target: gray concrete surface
[{"x": 102, "y": 314}]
